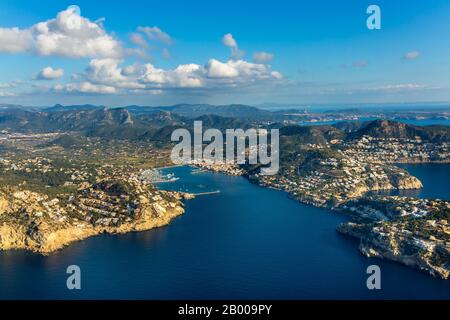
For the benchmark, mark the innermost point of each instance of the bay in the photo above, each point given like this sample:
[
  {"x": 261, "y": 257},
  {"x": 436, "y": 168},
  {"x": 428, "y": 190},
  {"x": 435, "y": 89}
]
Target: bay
[{"x": 246, "y": 242}]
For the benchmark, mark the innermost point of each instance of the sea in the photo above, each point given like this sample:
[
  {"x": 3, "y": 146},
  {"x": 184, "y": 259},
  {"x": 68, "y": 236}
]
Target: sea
[
  {"x": 245, "y": 242},
  {"x": 415, "y": 122}
]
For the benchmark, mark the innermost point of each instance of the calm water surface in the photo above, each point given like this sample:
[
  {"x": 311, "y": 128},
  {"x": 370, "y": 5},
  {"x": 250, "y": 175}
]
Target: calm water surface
[
  {"x": 435, "y": 178},
  {"x": 246, "y": 242},
  {"x": 425, "y": 122}
]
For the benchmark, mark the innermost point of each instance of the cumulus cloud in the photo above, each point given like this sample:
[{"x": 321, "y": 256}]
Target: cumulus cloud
[
  {"x": 49, "y": 73},
  {"x": 84, "y": 87},
  {"x": 156, "y": 34},
  {"x": 217, "y": 69},
  {"x": 68, "y": 35},
  {"x": 229, "y": 41},
  {"x": 108, "y": 76},
  {"x": 73, "y": 36},
  {"x": 240, "y": 71},
  {"x": 412, "y": 55},
  {"x": 262, "y": 57},
  {"x": 213, "y": 74},
  {"x": 108, "y": 72},
  {"x": 14, "y": 40},
  {"x": 183, "y": 76},
  {"x": 142, "y": 76}
]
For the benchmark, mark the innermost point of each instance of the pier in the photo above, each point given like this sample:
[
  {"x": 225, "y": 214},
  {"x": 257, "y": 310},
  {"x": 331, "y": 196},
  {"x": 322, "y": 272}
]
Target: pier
[{"x": 206, "y": 193}]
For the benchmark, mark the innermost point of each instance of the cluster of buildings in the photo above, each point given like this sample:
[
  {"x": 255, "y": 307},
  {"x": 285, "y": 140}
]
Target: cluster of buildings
[
  {"x": 6, "y": 135},
  {"x": 334, "y": 180},
  {"x": 156, "y": 176},
  {"x": 39, "y": 164},
  {"x": 395, "y": 207},
  {"x": 105, "y": 204},
  {"x": 218, "y": 166},
  {"x": 111, "y": 203},
  {"x": 392, "y": 150}
]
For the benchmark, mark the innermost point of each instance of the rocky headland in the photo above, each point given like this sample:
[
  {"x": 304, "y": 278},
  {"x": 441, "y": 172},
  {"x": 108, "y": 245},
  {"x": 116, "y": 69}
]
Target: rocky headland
[{"x": 31, "y": 221}]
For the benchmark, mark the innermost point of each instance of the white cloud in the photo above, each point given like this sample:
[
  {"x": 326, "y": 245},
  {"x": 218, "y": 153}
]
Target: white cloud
[
  {"x": 148, "y": 92},
  {"x": 156, "y": 34},
  {"x": 104, "y": 70},
  {"x": 13, "y": 85},
  {"x": 217, "y": 69},
  {"x": 108, "y": 76},
  {"x": 107, "y": 72},
  {"x": 401, "y": 87},
  {"x": 276, "y": 75},
  {"x": 71, "y": 35},
  {"x": 68, "y": 35},
  {"x": 229, "y": 41},
  {"x": 130, "y": 70},
  {"x": 240, "y": 70},
  {"x": 4, "y": 94},
  {"x": 84, "y": 87},
  {"x": 382, "y": 89},
  {"x": 412, "y": 55},
  {"x": 262, "y": 57},
  {"x": 213, "y": 75},
  {"x": 49, "y": 73},
  {"x": 14, "y": 40},
  {"x": 183, "y": 76},
  {"x": 138, "y": 39}
]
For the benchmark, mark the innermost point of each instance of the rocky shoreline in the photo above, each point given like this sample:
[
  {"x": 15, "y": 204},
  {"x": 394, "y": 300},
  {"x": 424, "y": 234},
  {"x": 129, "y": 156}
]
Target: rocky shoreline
[
  {"x": 398, "y": 241},
  {"x": 30, "y": 221},
  {"x": 402, "y": 248}
]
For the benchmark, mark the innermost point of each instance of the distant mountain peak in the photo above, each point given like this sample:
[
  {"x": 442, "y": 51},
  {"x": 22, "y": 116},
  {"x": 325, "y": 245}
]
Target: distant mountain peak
[{"x": 382, "y": 128}]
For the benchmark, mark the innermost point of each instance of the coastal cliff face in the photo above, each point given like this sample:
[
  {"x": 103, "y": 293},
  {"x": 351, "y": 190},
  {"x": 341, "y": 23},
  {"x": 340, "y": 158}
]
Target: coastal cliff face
[
  {"x": 394, "y": 181},
  {"x": 419, "y": 242},
  {"x": 31, "y": 221},
  {"x": 407, "y": 230},
  {"x": 406, "y": 182}
]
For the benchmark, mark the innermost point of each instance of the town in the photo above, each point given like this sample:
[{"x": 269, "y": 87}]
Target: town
[{"x": 64, "y": 186}]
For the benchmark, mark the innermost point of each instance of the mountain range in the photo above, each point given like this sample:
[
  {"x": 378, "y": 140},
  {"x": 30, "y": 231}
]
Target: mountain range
[{"x": 157, "y": 123}]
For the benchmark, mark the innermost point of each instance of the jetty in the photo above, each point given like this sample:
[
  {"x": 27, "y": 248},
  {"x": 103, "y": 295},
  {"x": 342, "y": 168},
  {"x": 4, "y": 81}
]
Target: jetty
[{"x": 206, "y": 193}]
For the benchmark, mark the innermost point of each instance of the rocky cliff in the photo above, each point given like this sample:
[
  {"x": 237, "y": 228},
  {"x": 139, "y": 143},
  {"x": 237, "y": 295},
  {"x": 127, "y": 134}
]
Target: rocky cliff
[
  {"x": 399, "y": 243},
  {"x": 32, "y": 221}
]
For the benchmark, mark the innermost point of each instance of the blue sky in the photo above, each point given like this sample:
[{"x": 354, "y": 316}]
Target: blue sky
[{"x": 164, "y": 52}]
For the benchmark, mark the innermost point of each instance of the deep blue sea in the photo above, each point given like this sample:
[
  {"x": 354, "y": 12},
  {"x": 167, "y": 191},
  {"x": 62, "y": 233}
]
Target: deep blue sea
[
  {"x": 245, "y": 242},
  {"x": 435, "y": 178},
  {"x": 427, "y": 122}
]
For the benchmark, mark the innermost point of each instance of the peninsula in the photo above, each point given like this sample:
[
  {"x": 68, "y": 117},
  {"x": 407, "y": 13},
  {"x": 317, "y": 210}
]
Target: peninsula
[{"x": 75, "y": 172}]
